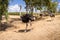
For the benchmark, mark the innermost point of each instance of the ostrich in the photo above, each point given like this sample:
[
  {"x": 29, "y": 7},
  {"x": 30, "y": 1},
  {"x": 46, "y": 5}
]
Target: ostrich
[
  {"x": 41, "y": 15},
  {"x": 26, "y": 19},
  {"x": 51, "y": 15}
]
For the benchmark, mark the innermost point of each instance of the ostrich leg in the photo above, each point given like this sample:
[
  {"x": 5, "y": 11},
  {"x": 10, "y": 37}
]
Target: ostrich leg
[
  {"x": 30, "y": 23},
  {"x": 26, "y": 27}
]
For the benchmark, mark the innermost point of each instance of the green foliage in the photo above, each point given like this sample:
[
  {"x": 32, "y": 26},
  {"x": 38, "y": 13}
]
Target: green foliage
[
  {"x": 53, "y": 7},
  {"x": 3, "y": 9},
  {"x": 39, "y": 4}
]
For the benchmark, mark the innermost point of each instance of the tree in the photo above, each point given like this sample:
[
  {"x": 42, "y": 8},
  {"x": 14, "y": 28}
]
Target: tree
[
  {"x": 20, "y": 9},
  {"x": 29, "y": 5},
  {"x": 35, "y": 3},
  {"x": 39, "y": 4},
  {"x": 3, "y": 9},
  {"x": 53, "y": 7}
]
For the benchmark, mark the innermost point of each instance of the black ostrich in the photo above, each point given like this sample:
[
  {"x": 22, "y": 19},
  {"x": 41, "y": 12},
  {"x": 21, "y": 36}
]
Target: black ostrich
[
  {"x": 51, "y": 15},
  {"x": 26, "y": 18},
  {"x": 41, "y": 15}
]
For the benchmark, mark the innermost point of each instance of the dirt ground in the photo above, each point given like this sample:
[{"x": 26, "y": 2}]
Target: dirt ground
[{"x": 43, "y": 29}]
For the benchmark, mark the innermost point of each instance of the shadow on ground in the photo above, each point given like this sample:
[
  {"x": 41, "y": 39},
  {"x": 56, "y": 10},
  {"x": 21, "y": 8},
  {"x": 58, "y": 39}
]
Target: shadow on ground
[
  {"x": 23, "y": 30},
  {"x": 5, "y": 25}
]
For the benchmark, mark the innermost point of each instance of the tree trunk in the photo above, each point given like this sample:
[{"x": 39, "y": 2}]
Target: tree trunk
[
  {"x": 0, "y": 24},
  {"x": 20, "y": 12},
  {"x": 31, "y": 10},
  {"x": 26, "y": 9},
  {"x": 0, "y": 19}
]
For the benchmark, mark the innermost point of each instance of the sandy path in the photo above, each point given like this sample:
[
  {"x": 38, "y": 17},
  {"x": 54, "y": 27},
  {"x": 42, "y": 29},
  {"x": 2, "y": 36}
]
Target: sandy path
[{"x": 42, "y": 30}]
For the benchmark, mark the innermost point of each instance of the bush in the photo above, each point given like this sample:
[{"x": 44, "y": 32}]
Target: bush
[{"x": 16, "y": 13}]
